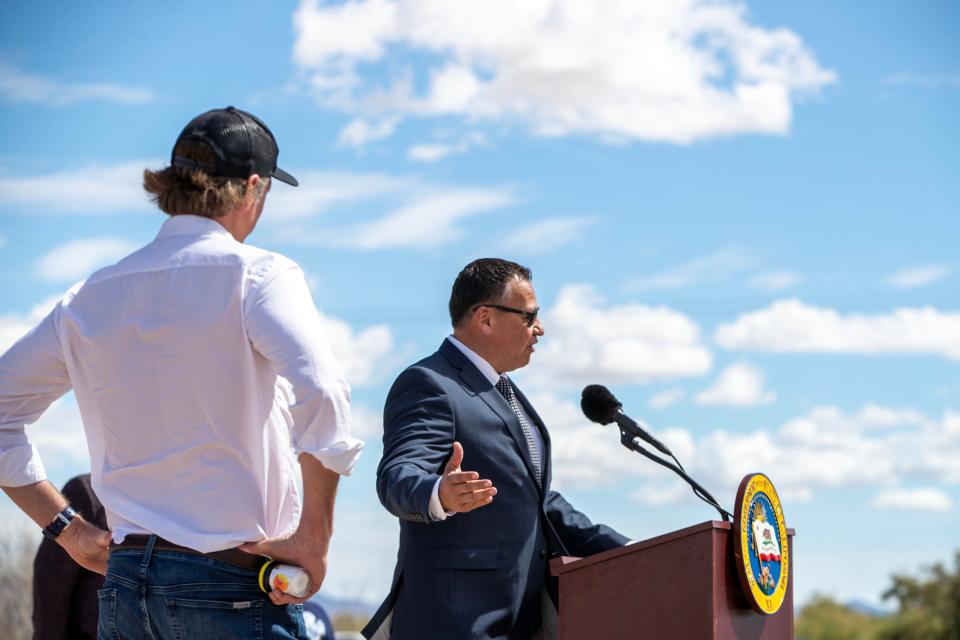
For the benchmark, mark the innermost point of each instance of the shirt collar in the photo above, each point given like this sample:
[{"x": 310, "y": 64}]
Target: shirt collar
[
  {"x": 485, "y": 367},
  {"x": 190, "y": 225}
]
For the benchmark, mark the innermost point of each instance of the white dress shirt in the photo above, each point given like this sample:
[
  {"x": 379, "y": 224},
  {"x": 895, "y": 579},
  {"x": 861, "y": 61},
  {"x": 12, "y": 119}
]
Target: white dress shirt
[
  {"x": 175, "y": 354},
  {"x": 436, "y": 509}
]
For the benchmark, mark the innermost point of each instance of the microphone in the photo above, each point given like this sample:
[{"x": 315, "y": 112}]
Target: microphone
[
  {"x": 602, "y": 407},
  {"x": 599, "y": 405}
]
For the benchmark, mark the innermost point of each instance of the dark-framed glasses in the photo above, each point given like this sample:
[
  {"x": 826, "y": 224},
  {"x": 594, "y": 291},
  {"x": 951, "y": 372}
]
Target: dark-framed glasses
[{"x": 529, "y": 317}]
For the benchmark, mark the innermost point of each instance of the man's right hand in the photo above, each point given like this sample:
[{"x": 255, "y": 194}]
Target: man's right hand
[
  {"x": 87, "y": 544},
  {"x": 462, "y": 491}
]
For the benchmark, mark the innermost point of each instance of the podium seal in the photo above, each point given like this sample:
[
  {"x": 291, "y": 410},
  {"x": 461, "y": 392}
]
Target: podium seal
[{"x": 760, "y": 544}]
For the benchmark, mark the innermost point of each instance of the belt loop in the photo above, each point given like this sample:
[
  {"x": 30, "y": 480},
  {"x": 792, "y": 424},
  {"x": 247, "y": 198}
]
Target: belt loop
[{"x": 148, "y": 551}]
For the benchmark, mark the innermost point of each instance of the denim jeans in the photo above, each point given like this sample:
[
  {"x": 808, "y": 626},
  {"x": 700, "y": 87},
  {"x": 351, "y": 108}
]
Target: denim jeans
[{"x": 169, "y": 595}]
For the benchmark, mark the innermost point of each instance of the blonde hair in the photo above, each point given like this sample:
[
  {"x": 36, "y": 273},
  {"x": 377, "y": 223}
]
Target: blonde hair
[{"x": 185, "y": 191}]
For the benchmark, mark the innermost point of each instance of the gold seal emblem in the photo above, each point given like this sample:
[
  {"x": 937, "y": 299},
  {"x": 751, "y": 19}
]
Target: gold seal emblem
[{"x": 760, "y": 544}]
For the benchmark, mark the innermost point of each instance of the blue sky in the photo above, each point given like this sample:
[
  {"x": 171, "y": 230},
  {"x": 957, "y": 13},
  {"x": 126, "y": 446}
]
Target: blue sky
[{"x": 742, "y": 218}]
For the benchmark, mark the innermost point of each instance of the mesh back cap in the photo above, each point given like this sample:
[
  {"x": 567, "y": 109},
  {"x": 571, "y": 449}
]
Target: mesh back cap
[{"x": 243, "y": 144}]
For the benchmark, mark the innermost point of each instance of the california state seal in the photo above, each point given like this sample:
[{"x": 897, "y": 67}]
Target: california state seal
[{"x": 760, "y": 544}]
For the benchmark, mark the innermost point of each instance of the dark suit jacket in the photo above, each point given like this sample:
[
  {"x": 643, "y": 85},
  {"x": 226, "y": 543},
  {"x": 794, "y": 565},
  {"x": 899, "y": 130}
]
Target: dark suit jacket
[
  {"x": 64, "y": 593},
  {"x": 478, "y": 574}
]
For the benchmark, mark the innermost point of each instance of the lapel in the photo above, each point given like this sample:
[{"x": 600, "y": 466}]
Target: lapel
[{"x": 478, "y": 383}]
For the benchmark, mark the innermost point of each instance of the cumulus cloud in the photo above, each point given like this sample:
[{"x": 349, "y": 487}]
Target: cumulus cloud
[
  {"x": 364, "y": 354},
  {"x": 774, "y": 280},
  {"x": 588, "y": 341},
  {"x": 739, "y": 385},
  {"x": 20, "y": 86},
  {"x": 321, "y": 192},
  {"x": 709, "y": 269},
  {"x": 920, "y": 499},
  {"x": 361, "y": 132},
  {"x": 92, "y": 190},
  {"x": 828, "y": 449},
  {"x": 427, "y": 216},
  {"x": 676, "y": 71},
  {"x": 14, "y": 326},
  {"x": 76, "y": 259},
  {"x": 791, "y": 326},
  {"x": 438, "y": 150},
  {"x": 587, "y": 455},
  {"x": 919, "y": 276},
  {"x": 59, "y": 435},
  {"x": 548, "y": 235}
]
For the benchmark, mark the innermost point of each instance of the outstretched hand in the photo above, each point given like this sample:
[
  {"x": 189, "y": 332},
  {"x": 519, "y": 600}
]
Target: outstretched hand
[
  {"x": 295, "y": 551},
  {"x": 462, "y": 491}
]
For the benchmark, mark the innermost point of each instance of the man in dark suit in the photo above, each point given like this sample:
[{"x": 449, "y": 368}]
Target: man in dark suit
[{"x": 475, "y": 544}]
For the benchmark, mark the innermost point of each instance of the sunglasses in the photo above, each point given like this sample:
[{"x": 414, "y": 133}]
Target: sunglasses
[{"x": 529, "y": 317}]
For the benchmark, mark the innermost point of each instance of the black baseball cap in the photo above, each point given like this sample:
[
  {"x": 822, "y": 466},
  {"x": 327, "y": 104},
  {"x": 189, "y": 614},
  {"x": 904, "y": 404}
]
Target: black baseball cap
[{"x": 242, "y": 143}]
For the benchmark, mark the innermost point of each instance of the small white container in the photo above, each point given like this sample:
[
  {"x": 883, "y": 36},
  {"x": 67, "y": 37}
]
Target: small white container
[{"x": 285, "y": 578}]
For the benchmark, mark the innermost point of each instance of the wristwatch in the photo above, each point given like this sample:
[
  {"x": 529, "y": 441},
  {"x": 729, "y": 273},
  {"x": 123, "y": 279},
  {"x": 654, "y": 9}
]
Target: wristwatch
[{"x": 53, "y": 530}]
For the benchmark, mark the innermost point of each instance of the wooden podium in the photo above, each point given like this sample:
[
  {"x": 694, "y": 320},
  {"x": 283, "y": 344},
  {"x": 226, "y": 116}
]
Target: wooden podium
[{"x": 682, "y": 585}]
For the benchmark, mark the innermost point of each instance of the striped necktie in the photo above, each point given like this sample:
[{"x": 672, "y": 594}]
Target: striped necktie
[{"x": 506, "y": 390}]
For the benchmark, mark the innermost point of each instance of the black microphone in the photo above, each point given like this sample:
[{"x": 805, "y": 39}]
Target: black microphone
[{"x": 602, "y": 407}]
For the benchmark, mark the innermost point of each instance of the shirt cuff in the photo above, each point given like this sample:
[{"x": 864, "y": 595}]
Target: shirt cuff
[
  {"x": 339, "y": 457},
  {"x": 20, "y": 465},
  {"x": 437, "y": 514}
]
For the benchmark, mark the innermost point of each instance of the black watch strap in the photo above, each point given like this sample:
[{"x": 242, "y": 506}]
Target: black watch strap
[{"x": 53, "y": 530}]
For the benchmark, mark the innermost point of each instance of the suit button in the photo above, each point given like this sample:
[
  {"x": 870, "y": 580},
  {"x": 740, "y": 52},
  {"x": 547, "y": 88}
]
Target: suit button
[{"x": 543, "y": 554}]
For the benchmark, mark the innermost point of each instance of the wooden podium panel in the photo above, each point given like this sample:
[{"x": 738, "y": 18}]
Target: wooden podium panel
[{"x": 679, "y": 585}]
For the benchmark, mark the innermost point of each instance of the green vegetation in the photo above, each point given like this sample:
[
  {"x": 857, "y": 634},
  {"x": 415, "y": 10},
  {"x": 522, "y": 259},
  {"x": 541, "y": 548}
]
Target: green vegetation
[{"x": 928, "y": 608}]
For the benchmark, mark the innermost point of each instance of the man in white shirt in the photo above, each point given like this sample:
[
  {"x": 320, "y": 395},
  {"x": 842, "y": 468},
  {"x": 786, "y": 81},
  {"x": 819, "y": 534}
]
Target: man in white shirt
[{"x": 200, "y": 366}]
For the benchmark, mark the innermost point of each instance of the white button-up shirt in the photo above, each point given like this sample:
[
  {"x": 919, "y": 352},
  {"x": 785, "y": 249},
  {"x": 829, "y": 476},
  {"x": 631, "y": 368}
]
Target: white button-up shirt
[{"x": 174, "y": 355}]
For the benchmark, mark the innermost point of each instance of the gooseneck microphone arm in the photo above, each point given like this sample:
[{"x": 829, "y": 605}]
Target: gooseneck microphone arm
[
  {"x": 630, "y": 442},
  {"x": 600, "y": 406}
]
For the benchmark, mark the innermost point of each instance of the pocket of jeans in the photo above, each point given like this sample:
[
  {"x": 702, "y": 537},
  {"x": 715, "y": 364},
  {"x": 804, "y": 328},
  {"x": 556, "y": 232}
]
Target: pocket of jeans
[
  {"x": 195, "y": 618},
  {"x": 107, "y": 604}
]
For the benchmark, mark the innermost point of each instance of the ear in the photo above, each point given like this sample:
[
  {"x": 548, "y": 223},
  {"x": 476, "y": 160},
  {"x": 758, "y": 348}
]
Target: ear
[
  {"x": 483, "y": 319},
  {"x": 252, "y": 183}
]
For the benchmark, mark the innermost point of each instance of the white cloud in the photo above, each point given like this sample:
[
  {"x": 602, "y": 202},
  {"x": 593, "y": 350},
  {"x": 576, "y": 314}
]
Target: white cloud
[
  {"x": 322, "y": 191},
  {"x": 587, "y": 341},
  {"x": 430, "y": 220},
  {"x": 547, "y": 235},
  {"x": 920, "y": 499},
  {"x": 367, "y": 424},
  {"x": 89, "y": 190},
  {"x": 361, "y": 132},
  {"x": 774, "y": 280},
  {"x": 711, "y": 268},
  {"x": 924, "y": 80},
  {"x": 827, "y": 449},
  {"x": 739, "y": 385},
  {"x": 59, "y": 435},
  {"x": 19, "y": 86},
  {"x": 363, "y": 354},
  {"x": 434, "y": 151},
  {"x": 14, "y": 326},
  {"x": 666, "y": 398},
  {"x": 674, "y": 71},
  {"x": 919, "y": 276},
  {"x": 790, "y": 326},
  {"x": 77, "y": 259}
]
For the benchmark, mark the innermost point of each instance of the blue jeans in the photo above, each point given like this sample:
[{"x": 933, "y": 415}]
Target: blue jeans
[{"x": 169, "y": 595}]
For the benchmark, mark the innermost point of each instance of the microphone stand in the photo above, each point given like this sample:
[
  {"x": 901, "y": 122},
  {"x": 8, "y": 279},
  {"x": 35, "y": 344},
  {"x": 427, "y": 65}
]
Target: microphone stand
[{"x": 630, "y": 442}]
